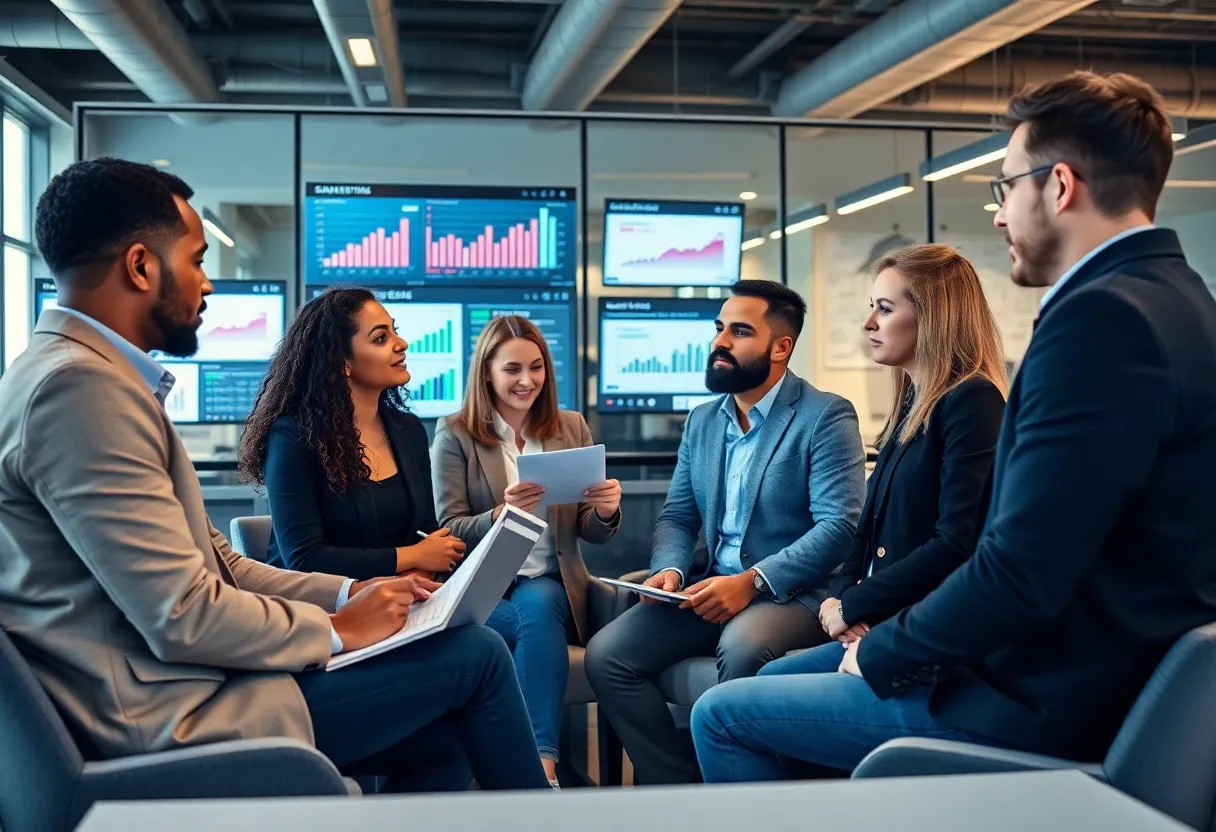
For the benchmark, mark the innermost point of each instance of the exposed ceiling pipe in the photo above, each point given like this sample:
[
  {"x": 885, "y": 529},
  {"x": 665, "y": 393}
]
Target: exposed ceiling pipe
[
  {"x": 198, "y": 12},
  {"x": 1188, "y": 91},
  {"x": 146, "y": 43},
  {"x": 907, "y": 47},
  {"x": 384, "y": 27},
  {"x": 40, "y": 26},
  {"x": 771, "y": 45},
  {"x": 346, "y": 66},
  {"x": 587, "y": 45}
]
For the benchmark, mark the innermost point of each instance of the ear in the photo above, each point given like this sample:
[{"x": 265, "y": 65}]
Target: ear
[
  {"x": 1065, "y": 183},
  {"x": 782, "y": 348},
  {"x": 142, "y": 266}
]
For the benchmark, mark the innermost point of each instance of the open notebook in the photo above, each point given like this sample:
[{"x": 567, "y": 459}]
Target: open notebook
[{"x": 469, "y": 595}]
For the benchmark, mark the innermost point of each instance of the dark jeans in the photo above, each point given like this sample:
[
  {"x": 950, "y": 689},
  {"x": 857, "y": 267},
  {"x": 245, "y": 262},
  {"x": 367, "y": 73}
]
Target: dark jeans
[
  {"x": 430, "y": 715},
  {"x": 533, "y": 620},
  {"x": 625, "y": 659}
]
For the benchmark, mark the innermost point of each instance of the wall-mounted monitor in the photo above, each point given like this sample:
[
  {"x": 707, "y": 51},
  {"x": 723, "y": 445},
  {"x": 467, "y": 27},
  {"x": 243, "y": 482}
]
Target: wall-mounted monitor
[
  {"x": 653, "y": 353},
  {"x": 650, "y": 243},
  {"x": 242, "y": 325},
  {"x": 431, "y": 235},
  {"x": 441, "y": 325}
]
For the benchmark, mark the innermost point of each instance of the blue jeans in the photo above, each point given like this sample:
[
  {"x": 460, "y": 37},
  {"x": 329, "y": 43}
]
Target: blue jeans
[
  {"x": 800, "y": 708},
  {"x": 532, "y": 619},
  {"x": 430, "y": 715}
]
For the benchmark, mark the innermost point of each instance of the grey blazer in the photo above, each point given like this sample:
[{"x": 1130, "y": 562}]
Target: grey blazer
[
  {"x": 804, "y": 492},
  {"x": 133, "y": 611},
  {"x": 470, "y": 479}
]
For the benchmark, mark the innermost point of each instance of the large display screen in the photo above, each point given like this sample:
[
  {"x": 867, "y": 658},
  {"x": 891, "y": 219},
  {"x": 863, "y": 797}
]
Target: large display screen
[
  {"x": 430, "y": 235},
  {"x": 441, "y": 325},
  {"x": 242, "y": 325},
  {"x": 672, "y": 243},
  {"x": 653, "y": 353}
]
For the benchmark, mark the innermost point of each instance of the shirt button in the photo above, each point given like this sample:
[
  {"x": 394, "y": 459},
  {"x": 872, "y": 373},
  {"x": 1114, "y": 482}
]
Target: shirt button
[{"x": 882, "y": 552}]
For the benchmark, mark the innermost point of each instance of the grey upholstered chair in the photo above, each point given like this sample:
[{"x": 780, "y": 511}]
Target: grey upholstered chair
[
  {"x": 47, "y": 785},
  {"x": 251, "y": 535},
  {"x": 1164, "y": 755}
]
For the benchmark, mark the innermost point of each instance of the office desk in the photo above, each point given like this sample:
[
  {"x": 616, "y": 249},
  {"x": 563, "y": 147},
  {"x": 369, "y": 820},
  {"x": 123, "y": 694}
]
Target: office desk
[{"x": 1038, "y": 801}]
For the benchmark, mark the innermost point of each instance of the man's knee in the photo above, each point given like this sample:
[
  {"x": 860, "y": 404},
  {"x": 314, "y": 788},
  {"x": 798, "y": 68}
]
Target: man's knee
[
  {"x": 607, "y": 657},
  {"x": 741, "y": 653},
  {"x": 482, "y": 645}
]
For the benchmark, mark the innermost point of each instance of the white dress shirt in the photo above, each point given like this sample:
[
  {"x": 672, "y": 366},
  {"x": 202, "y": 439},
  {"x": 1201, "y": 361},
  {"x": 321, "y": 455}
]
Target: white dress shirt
[
  {"x": 542, "y": 560},
  {"x": 161, "y": 381}
]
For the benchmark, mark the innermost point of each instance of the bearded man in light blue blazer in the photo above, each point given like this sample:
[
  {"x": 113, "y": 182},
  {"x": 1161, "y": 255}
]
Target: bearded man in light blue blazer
[{"x": 773, "y": 472}]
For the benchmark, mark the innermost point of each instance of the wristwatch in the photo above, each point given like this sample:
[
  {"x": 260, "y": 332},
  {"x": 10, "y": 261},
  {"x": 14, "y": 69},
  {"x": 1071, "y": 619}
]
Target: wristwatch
[{"x": 760, "y": 584}]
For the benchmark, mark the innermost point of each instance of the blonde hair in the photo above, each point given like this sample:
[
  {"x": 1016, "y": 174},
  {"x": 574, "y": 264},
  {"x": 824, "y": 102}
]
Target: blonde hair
[
  {"x": 957, "y": 337},
  {"x": 477, "y": 414}
]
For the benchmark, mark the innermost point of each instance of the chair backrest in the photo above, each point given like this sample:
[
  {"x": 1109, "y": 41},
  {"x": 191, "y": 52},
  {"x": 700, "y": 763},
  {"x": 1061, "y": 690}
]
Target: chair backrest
[
  {"x": 251, "y": 536},
  {"x": 1165, "y": 753},
  {"x": 39, "y": 761}
]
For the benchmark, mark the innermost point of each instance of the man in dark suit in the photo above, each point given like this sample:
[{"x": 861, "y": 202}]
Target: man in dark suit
[{"x": 1097, "y": 554}]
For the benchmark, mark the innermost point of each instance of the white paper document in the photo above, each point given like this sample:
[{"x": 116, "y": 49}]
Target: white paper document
[
  {"x": 661, "y": 594},
  {"x": 469, "y": 595},
  {"x": 565, "y": 475}
]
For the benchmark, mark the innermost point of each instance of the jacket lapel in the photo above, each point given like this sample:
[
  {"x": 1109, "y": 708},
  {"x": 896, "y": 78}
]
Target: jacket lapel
[
  {"x": 771, "y": 434},
  {"x": 715, "y": 451},
  {"x": 888, "y": 474},
  {"x": 492, "y": 466}
]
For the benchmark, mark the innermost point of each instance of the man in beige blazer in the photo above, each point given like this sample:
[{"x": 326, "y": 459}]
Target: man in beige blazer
[{"x": 146, "y": 629}]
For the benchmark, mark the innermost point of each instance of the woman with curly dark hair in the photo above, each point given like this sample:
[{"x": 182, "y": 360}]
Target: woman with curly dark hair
[{"x": 346, "y": 467}]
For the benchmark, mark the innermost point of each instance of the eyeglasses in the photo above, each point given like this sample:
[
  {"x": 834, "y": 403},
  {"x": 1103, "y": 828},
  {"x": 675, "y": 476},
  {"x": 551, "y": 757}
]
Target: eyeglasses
[{"x": 1000, "y": 187}]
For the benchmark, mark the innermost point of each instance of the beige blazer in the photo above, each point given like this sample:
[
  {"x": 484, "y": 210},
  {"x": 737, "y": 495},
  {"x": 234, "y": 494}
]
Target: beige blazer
[
  {"x": 131, "y": 608},
  {"x": 470, "y": 479}
]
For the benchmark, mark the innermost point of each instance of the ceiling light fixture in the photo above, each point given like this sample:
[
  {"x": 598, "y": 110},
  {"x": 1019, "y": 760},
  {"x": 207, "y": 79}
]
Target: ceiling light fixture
[
  {"x": 361, "y": 51},
  {"x": 880, "y": 191},
  {"x": 212, "y": 224},
  {"x": 992, "y": 207},
  {"x": 1178, "y": 127},
  {"x": 965, "y": 158},
  {"x": 747, "y": 196},
  {"x": 811, "y": 217},
  {"x": 161, "y": 163},
  {"x": 753, "y": 243}
]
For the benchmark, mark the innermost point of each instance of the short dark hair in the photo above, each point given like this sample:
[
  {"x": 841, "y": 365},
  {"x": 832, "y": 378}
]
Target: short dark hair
[
  {"x": 1112, "y": 128},
  {"x": 784, "y": 304},
  {"x": 96, "y": 209}
]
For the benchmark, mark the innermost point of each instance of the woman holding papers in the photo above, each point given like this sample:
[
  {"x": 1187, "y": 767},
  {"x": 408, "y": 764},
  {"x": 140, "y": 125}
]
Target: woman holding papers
[
  {"x": 510, "y": 408},
  {"x": 925, "y": 504},
  {"x": 345, "y": 466}
]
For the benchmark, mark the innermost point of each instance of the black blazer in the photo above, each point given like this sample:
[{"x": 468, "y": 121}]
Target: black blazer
[
  {"x": 1098, "y": 553},
  {"x": 925, "y": 506},
  {"x": 314, "y": 530}
]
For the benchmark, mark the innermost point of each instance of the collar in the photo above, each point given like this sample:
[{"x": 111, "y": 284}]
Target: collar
[
  {"x": 1050, "y": 293},
  {"x": 505, "y": 432},
  {"x": 761, "y": 407},
  {"x": 158, "y": 379}
]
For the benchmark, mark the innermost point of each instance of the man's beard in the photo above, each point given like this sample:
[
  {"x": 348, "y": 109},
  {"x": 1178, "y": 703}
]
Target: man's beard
[
  {"x": 738, "y": 378},
  {"x": 176, "y": 324},
  {"x": 1038, "y": 260}
]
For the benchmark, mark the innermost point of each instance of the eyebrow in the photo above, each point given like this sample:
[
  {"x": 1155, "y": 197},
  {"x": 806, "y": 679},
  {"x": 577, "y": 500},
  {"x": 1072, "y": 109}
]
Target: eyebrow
[
  {"x": 884, "y": 300},
  {"x": 372, "y": 331}
]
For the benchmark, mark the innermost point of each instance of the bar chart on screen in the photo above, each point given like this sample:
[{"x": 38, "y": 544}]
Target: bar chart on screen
[
  {"x": 182, "y": 403},
  {"x": 654, "y": 356},
  {"x": 504, "y": 239},
  {"x": 367, "y": 240},
  {"x": 435, "y": 356}
]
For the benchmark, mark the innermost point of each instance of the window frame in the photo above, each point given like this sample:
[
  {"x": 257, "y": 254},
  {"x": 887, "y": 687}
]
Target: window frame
[{"x": 36, "y": 173}]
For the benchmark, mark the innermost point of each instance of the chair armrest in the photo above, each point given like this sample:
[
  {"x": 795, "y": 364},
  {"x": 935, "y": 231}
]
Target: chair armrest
[
  {"x": 917, "y": 757},
  {"x": 604, "y": 604},
  {"x": 239, "y": 768}
]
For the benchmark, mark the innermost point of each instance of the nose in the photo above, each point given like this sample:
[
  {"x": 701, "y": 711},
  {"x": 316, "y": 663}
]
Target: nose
[
  {"x": 871, "y": 321},
  {"x": 998, "y": 219},
  {"x": 402, "y": 345},
  {"x": 207, "y": 287},
  {"x": 721, "y": 341}
]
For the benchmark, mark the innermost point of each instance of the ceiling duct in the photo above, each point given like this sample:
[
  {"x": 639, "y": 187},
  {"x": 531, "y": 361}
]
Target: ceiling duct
[
  {"x": 589, "y": 42},
  {"x": 147, "y": 44},
  {"x": 910, "y": 46},
  {"x": 376, "y": 21}
]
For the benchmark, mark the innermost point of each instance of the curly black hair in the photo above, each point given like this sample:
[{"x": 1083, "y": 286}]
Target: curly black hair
[
  {"x": 307, "y": 381},
  {"x": 96, "y": 209}
]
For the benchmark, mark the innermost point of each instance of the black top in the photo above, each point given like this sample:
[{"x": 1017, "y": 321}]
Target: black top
[
  {"x": 394, "y": 511},
  {"x": 1098, "y": 553},
  {"x": 925, "y": 505},
  {"x": 315, "y": 530}
]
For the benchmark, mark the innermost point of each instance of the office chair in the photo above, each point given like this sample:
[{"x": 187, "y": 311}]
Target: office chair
[
  {"x": 1164, "y": 754},
  {"x": 46, "y": 784}
]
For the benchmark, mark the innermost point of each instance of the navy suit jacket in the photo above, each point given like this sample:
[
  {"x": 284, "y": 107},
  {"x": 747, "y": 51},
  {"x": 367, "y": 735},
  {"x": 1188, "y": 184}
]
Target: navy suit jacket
[
  {"x": 1098, "y": 553},
  {"x": 804, "y": 493}
]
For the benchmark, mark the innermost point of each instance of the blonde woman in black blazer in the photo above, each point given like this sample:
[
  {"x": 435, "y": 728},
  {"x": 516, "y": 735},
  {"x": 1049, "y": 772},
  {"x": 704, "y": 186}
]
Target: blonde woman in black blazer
[{"x": 511, "y": 409}]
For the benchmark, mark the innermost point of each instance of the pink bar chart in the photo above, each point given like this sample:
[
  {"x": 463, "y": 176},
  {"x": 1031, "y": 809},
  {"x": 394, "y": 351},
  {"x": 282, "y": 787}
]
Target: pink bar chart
[{"x": 377, "y": 249}]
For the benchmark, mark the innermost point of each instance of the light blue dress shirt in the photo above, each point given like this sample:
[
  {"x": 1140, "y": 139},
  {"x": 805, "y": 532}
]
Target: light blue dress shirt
[
  {"x": 161, "y": 381},
  {"x": 1059, "y": 284},
  {"x": 740, "y": 450}
]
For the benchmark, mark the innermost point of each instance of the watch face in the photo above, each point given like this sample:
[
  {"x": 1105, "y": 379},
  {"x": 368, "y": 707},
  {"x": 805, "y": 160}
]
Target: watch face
[{"x": 758, "y": 582}]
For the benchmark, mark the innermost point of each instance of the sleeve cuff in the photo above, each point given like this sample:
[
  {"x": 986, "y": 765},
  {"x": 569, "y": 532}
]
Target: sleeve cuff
[
  {"x": 771, "y": 590},
  {"x": 335, "y": 643},
  {"x": 343, "y": 597}
]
